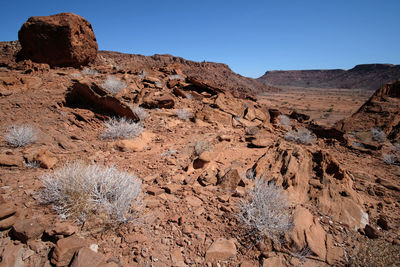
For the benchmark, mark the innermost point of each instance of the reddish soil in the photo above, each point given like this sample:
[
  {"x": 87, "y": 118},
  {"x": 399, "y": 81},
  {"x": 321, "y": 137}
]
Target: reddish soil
[{"x": 331, "y": 185}]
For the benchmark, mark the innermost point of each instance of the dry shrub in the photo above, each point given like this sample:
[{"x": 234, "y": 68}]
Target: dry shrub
[
  {"x": 77, "y": 190},
  {"x": 265, "y": 211},
  {"x": 20, "y": 135},
  {"x": 113, "y": 85},
  {"x": 121, "y": 128},
  {"x": 302, "y": 136}
]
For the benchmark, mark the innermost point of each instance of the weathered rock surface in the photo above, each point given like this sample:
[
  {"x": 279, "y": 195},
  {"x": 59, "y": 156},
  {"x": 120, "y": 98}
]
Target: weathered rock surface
[
  {"x": 313, "y": 177},
  {"x": 221, "y": 249},
  {"x": 27, "y": 229},
  {"x": 65, "y": 250},
  {"x": 64, "y": 39},
  {"x": 86, "y": 93},
  {"x": 381, "y": 111}
]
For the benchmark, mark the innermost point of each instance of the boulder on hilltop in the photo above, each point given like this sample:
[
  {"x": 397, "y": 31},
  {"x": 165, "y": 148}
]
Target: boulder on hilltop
[{"x": 62, "y": 40}]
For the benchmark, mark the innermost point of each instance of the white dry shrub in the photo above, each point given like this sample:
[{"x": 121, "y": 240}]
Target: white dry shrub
[
  {"x": 265, "y": 211},
  {"x": 284, "y": 121},
  {"x": 140, "y": 112},
  {"x": 121, "y": 128},
  {"x": 87, "y": 71},
  {"x": 20, "y": 135},
  {"x": 183, "y": 114},
  {"x": 176, "y": 77},
  {"x": 77, "y": 191},
  {"x": 378, "y": 135},
  {"x": 143, "y": 74},
  {"x": 201, "y": 146},
  {"x": 389, "y": 159},
  {"x": 113, "y": 85},
  {"x": 170, "y": 152},
  {"x": 302, "y": 136}
]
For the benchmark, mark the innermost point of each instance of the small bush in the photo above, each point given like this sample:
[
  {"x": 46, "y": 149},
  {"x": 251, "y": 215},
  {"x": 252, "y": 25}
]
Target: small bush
[
  {"x": 20, "y": 135},
  {"x": 265, "y": 211},
  {"x": 113, "y": 85},
  {"x": 170, "y": 152},
  {"x": 201, "y": 146},
  {"x": 183, "y": 114},
  {"x": 284, "y": 121},
  {"x": 390, "y": 159},
  {"x": 140, "y": 112},
  {"x": 77, "y": 190},
  {"x": 176, "y": 77},
  {"x": 121, "y": 128},
  {"x": 378, "y": 135},
  {"x": 142, "y": 75},
  {"x": 302, "y": 136},
  {"x": 87, "y": 71}
]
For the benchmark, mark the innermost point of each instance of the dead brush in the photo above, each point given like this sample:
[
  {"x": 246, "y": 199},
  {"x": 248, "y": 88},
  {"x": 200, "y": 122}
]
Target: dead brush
[{"x": 78, "y": 191}]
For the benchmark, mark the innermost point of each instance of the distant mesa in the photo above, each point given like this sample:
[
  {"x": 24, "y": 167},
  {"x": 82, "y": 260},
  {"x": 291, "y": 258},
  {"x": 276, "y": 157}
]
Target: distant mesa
[
  {"x": 62, "y": 40},
  {"x": 364, "y": 76}
]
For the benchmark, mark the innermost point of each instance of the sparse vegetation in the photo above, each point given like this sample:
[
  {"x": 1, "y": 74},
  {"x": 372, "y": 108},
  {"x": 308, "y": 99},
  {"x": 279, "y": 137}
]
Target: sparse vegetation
[
  {"x": 20, "y": 135},
  {"x": 170, "y": 152},
  {"x": 201, "y": 146},
  {"x": 87, "y": 71},
  {"x": 183, "y": 114},
  {"x": 176, "y": 77},
  {"x": 284, "y": 121},
  {"x": 140, "y": 112},
  {"x": 121, "y": 128},
  {"x": 265, "y": 211},
  {"x": 378, "y": 135},
  {"x": 77, "y": 190},
  {"x": 302, "y": 135},
  {"x": 113, "y": 85},
  {"x": 390, "y": 159}
]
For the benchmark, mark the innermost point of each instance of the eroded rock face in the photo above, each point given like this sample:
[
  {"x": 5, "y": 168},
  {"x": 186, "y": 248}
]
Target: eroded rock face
[
  {"x": 64, "y": 39},
  {"x": 381, "y": 111},
  {"x": 315, "y": 178}
]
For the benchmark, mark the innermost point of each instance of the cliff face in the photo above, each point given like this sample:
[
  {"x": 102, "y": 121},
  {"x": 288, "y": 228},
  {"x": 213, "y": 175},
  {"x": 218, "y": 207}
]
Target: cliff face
[{"x": 365, "y": 76}]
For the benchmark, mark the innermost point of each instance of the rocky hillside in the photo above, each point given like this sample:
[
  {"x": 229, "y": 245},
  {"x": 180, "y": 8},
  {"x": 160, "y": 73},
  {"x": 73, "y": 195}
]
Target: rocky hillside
[
  {"x": 126, "y": 162},
  {"x": 366, "y": 76}
]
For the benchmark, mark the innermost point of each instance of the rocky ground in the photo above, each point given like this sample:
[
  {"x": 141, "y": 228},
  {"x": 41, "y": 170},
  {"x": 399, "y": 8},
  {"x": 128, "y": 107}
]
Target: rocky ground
[{"x": 196, "y": 167}]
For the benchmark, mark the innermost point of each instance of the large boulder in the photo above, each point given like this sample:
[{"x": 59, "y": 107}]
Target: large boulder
[{"x": 64, "y": 39}]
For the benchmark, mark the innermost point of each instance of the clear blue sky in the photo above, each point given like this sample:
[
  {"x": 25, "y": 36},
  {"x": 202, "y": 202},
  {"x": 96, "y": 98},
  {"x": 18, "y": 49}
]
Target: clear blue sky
[{"x": 250, "y": 36}]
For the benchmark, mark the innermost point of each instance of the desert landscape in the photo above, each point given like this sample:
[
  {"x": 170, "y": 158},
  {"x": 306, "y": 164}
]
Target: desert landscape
[{"x": 113, "y": 159}]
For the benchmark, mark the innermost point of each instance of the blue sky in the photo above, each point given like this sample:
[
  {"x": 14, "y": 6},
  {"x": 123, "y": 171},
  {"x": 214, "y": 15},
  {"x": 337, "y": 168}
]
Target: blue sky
[{"x": 250, "y": 36}]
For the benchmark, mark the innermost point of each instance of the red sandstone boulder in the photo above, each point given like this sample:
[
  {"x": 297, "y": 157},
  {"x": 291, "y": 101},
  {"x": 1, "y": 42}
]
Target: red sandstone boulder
[{"x": 64, "y": 39}]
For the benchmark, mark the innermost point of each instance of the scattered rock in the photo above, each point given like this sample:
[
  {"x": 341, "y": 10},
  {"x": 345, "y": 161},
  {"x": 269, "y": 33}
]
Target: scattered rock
[
  {"x": 371, "y": 232},
  {"x": 230, "y": 180},
  {"x": 134, "y": 145},
  {"x": 65, "y": 250},
  {"x": 45, "y": 158},
  {"x": 12, "y": 256},
  {"x": 62, "y": 40},
  {"x": 155, "y": 101},
  {"x": 11, "y": 160},
  {"x": 86, "y": 93},
  {"x": 27, "y": 229},
  {"x": 87, "y": 257},
  {"x": 8, "y": 215},
  {"x": 62, "y": 228},
  {"x": 221, "y": 249}
]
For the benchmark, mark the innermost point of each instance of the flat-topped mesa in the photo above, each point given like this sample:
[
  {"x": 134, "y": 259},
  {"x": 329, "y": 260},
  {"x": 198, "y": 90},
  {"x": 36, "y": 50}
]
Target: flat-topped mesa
[
  {"x": 62, "y": 40},
  {"x": 364, "y": 76}
]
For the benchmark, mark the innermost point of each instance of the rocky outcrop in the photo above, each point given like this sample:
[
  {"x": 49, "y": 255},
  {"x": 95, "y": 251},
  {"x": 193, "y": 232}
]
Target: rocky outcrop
[
  {"x": 315, "y": 178},
  {"x": 86, "y": 93},
  {"x": 366, "y": 76},
  {"x": 64, "y": 39},
  {"x": 381, "y": 111}
]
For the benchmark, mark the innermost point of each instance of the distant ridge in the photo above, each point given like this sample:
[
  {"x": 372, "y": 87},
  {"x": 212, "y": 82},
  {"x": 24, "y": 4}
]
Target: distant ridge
[{"x": 363, "y": 76}]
